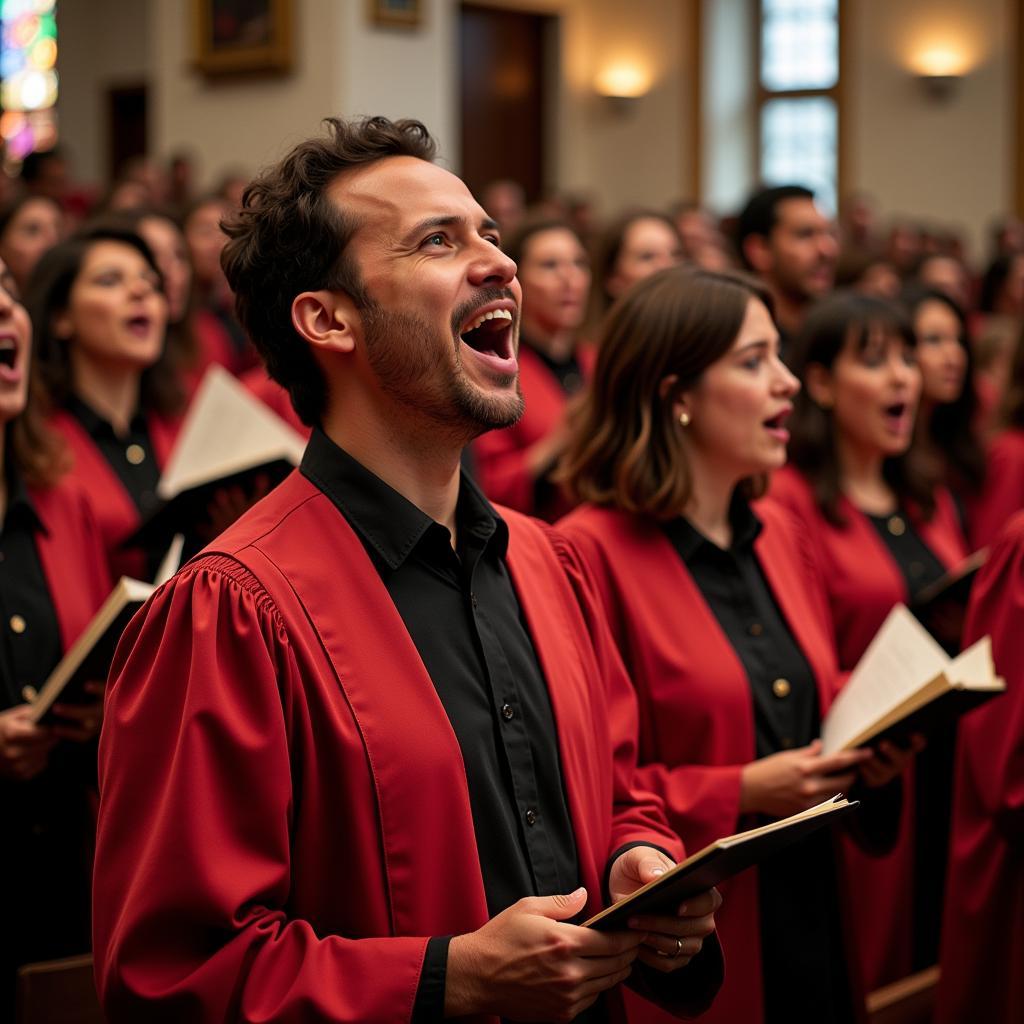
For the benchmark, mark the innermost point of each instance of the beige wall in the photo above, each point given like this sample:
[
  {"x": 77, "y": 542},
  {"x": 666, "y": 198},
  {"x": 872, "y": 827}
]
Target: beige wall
[
  {"x": 102, "y": 43},
  {"x": 949, "y": 162},
  {"x": 240, "y": 122}
]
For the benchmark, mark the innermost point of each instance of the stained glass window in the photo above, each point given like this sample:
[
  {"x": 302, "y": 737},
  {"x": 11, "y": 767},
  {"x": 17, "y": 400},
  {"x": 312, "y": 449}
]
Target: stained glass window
[{"x": 28, "y": 76}]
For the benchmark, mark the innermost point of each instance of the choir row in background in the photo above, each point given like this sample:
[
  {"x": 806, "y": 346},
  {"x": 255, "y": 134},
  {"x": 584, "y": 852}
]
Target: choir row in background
[{"x": 680, "y": 418}]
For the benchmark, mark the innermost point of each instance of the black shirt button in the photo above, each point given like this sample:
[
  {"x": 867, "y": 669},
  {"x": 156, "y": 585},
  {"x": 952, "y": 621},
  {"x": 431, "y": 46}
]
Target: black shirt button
[
  {"x": 781, "y": 688},
  {"x": 135, "y": 454},
  {"x": 531, "y": 817},
  {"x": 508, "y": 712},
  {"x": 755, "y": 629}
]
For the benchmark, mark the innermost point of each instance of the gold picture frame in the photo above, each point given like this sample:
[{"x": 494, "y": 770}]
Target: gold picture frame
[
  {"x": 399, "y": 13},
  {"x": 235, "y": 37}
]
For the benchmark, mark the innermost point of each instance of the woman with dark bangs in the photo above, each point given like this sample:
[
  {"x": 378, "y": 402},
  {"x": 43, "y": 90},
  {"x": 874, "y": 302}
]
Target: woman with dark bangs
[
  {"x": 719, "y": 617},
  {"x": 53, "y": 580},
  {"x": 946, "y": 431},
  {"x": 99, "y": 315},
  {"x": 515, "y": 464},
  {"x": 880, "y": 531},
  {"x": 1003, "y": 494}
]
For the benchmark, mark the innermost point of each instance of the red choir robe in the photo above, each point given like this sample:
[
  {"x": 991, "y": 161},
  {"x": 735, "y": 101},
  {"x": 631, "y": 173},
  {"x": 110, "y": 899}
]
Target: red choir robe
[
  {"x": 982, "y": 958},
  {"x": 112, "y": 505},
  {"x": 696, "y": 709},
  {"x": 272, "y": 395},
  {"x": 1003, "y": 493},
  {"x": 863, "y": 583},
  {"x": 500, "y": 455},
  {"x": 279, "y": 837},
  {"x": 49, "y": 820}
]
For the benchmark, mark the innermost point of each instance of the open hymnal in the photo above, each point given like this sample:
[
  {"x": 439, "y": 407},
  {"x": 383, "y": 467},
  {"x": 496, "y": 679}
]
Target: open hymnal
[
  {"x": 718, "y": 861},
  {"x": 228, "y": 439},
  {"x": 903, "y": 682},
  {"x": 89, "y": 657}
]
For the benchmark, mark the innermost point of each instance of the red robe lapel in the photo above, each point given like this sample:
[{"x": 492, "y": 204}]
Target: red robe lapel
[{"x": 72, "y": 557}]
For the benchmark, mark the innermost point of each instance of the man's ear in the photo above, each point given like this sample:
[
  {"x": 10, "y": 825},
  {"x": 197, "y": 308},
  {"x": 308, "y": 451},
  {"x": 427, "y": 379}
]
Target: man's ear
[
  {"x": 758, "y": 253},
  {"x": 818, "y": 385},
  {"x": 328, "y": 320}
]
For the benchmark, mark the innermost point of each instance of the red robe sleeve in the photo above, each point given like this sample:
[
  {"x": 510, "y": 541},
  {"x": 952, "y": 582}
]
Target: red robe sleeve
[
  {"x": 1003, "y": 493},
  {"x": 193, "y": 867}
]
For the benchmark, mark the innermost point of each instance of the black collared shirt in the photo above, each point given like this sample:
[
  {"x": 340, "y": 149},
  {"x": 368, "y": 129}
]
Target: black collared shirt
[
  {"x": 801, "y": 942},
  {"x": 31, "y": 644},
  {"x": 130, "y": 456},
  {"x": 917, "y": 562},
  {"x": 463, "y": 616},
  {"x": 566, "y": 371},
  {"x": 784, "y": 692}
]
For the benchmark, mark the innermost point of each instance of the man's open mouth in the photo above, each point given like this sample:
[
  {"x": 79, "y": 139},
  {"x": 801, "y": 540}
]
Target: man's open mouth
[{"x": 490, "y": 333}]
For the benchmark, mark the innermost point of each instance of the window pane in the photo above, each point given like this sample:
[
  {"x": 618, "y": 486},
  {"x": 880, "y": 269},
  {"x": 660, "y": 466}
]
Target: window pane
[
  {"x": 798, "y": 145},
  {"x": 799, "y": 44}
]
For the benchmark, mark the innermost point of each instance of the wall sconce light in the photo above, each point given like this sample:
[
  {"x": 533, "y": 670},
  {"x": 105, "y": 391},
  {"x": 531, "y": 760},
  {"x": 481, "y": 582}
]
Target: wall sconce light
[
  {"x": 622, "y": 85},
  {"x": 940, "y": 70}
]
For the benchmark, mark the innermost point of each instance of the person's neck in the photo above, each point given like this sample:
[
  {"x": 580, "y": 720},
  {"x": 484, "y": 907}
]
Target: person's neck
[
  {"x": 862, "y": 480},
  {"x": 415, "y": 462},
  {"x": 790, "y": 311},
  {"x": 557, "y": 345},
  {"x": 710, "y": 499},
  {"x": 110, "y": 391}
]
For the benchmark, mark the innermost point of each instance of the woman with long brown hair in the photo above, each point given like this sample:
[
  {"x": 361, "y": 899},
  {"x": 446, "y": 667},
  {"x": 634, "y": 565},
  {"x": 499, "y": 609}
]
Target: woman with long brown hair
[
  {"x": 99, "y": 315},
  {"x": 718, "y": 617}
]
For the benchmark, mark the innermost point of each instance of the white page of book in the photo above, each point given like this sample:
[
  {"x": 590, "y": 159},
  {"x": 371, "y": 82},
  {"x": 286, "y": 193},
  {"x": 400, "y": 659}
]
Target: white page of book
[
  {"x": 901, "y": 657},
  {"x": 227, "y": 430},
  {"x": 974, "y": 667}
]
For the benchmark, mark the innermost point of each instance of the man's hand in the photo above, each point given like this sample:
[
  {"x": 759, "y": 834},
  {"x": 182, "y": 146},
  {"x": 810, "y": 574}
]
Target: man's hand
[
  {"x": 527, "y": 964},
  {"x": 24, "y": 746},
  {"x": 888, "y": 761},
  {"x": 672, "y": 941},
  {"x": 793, "y": 780}
]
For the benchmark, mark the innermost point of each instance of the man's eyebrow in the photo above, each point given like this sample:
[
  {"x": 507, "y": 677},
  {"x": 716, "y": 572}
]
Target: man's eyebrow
[{"x": 447, "y": 221}]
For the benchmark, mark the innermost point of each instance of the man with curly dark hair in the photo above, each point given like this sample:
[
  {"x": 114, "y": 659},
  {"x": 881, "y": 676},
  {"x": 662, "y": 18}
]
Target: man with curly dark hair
[{"x": 369, "y": 756}]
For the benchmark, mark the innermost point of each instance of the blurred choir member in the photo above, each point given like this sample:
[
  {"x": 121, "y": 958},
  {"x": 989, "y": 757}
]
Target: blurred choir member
[
  {"x": 53, "y": 578},
  {"x": 1003, "y": 494},
  {"x": 943, "y": 273},
  {"x": 634, "y": 246},
  {"x": 505, "y": 201},
  {"x": 703, "y": 241},
  {"x": 946, "y": 429},
  {"x": 718, "y": 616},
  {"x": 880, "y": 531},
  {"x": 784, "y": 237},
  {"x": 220, "y": 336},
  {"x": 983, "y": 933},
  {"x": 514, "y": 465},
  {"x": 28, "y": 227},
  {"x": 99, "y": 316}
]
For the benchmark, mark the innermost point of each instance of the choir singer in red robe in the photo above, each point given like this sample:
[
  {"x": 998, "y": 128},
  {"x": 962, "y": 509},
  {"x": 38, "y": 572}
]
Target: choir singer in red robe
[
  {"x": 718, "y": 616},
  {"x": 370, "y": 756},
  {"x": 983, "y": 928}
]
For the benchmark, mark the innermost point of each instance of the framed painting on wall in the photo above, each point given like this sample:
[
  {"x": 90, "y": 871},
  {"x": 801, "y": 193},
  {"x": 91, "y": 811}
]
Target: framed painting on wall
[
  {"x": 403, "y": 13},
  {"x": 242, "y": 36}
]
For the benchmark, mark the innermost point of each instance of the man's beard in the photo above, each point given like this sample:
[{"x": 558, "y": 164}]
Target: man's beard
[{"x": 410, "y": 362}]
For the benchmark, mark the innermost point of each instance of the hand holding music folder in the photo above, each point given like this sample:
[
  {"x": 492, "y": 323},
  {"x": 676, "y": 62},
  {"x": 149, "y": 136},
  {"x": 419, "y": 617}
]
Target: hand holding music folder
[
  {"x": 904, "y": 682},
  {"x": 718, "y": 861}
]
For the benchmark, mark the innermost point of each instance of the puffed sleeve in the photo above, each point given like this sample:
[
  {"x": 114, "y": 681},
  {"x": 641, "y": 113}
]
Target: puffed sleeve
[{"x": 193, "y": 867}]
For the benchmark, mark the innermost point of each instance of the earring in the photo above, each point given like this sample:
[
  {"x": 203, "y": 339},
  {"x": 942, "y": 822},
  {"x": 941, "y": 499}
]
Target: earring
[{"x": 684, "y": 418}]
